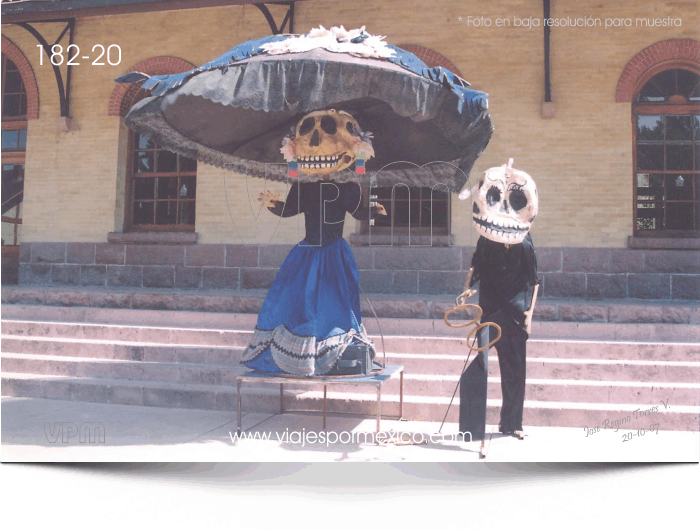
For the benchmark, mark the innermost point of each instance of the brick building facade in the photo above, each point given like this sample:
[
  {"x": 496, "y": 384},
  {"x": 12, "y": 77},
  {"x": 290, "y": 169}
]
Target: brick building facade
[{"x": 582, "y": 147}]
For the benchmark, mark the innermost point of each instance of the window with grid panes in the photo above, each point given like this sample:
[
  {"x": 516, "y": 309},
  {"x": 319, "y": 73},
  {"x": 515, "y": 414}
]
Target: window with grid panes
[
  {"x": 414, "y": 210},
  {"x": 162, "y": 188},
  {"x": 667, "y": 155},
  {"x": 420, "y": 208},
  {"x": 14, "y": 144}
]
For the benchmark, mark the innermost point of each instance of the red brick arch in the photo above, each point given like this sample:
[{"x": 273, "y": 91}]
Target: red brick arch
[
  {"x": 431, "y": 57},
  {"x": 125, "y": 95},
  {"x": 14, "y": 54},
  {"x": 652, "y": 60}
]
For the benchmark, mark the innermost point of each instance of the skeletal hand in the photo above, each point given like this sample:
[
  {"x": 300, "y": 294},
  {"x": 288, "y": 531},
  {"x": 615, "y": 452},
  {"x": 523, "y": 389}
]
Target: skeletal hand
[{"x": 268, "y": 198}]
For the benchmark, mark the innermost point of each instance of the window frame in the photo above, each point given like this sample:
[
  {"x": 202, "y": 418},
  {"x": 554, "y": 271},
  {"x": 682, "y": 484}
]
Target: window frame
[
  {"x": 432, "y": 58},
  {"x": 657, "y": 108},
  {"x": 129, "y": 226},
  {"x": 407, "y": 230},
  {"x": 14, "y": 157}
]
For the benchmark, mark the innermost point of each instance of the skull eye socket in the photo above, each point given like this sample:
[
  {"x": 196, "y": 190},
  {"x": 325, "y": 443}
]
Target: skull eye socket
[
  {"x": 518, "y": 200},
  {"x": 307, "y": 125},
  {"x": 493, "y": 196},
  {"x": 328, "y": 125},
  {"x": 350, "y": 127}
]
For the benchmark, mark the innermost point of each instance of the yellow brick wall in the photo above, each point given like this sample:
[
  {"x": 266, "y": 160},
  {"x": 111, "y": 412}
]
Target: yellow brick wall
[{"x": 581, "y": 159}]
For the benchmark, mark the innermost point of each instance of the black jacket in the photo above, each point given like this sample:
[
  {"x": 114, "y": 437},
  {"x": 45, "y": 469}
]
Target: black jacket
[
  {"x": 324, "y": 204},
  {"x": 507, "y": 277}
]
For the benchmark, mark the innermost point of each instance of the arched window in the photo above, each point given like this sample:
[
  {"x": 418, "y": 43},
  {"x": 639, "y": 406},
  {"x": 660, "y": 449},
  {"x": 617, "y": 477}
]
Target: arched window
[
  {"x": 14, "y": 143},
  {"x": 161, "y": 185},
  {"x": 666, "y": 118}
]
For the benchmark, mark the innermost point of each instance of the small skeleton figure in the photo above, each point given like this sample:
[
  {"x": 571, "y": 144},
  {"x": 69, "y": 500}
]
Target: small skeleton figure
[{"x": 505, "y": 266}]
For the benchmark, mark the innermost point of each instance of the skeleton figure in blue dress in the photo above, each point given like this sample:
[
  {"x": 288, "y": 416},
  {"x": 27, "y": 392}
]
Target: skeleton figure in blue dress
[{"x": 312, "y": 311}]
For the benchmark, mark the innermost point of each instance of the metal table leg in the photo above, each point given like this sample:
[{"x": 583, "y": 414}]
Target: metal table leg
[
  {"x": 239, "y": 383},
  {"x": 401, "y": 396},
  {"x": 379, "y": 406},
  {"x": 325, "y": 388}
]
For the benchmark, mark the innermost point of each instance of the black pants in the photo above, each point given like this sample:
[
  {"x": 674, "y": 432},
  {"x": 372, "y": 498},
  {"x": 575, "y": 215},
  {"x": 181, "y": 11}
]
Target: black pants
[{"x": 474, "y": 381}]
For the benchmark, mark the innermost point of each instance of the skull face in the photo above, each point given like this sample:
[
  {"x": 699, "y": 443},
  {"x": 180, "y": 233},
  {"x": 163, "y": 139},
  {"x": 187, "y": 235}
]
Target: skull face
[
  {"x": 326, "y": 142},
  {"x": 505, "y": 205}
]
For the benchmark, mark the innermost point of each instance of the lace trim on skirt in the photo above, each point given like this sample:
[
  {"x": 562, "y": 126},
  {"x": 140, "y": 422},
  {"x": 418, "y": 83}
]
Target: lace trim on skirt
[{"x": 302, "y": 355}]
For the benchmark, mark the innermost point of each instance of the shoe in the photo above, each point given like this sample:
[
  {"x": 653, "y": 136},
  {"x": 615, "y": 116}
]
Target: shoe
[{"x": 520, "y": 434}]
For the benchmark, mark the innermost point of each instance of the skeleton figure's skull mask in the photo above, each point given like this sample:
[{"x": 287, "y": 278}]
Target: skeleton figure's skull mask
[
  {"x": 325, "y": 142},
  {"x": 505, "y": 204}
]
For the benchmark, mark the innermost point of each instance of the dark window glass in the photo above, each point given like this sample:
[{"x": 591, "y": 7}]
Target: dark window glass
[
  {"x": 412, "y": 207},
  {"x": 143, "y": 162},
  {"x": 650, "y": 157},
  {"x": 187, "y": 212},
  {"x": 688, "y": 83},
  {"x": 679, "y": 187},
  {"x": 667, "y": 182},
  {"x": 14, "y": 105},
  {"x": 166, "y": 212},
  {"x": 187, "y": 188},
  {"x": 650, "y": 127},
  {"x": 680, "y": 217},
  {"x": 167, "y": 161},
  {"x": 678, "y": 128},
  {"x": 679, "y": 157},
  {"x": 167, "y": 188},
  {"x": 144, "y": 188},
  {"x": 188, "y": 165},
  {"x": 161, "y": 195},
  {"x": 669, "y": 83},
  {"x": 143, "y": 212}
]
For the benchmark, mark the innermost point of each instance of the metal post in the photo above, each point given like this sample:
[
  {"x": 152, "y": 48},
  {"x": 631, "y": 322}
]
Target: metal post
[
  {"x": 401, "y": 396},
  {"x": 324, "y": 406},
  {"x": 239, "y": 382},
  {"x": 379, "y": 405}
]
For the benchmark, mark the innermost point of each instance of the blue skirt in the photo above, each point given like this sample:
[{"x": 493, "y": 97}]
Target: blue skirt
[{"x": 311, "y": 312}]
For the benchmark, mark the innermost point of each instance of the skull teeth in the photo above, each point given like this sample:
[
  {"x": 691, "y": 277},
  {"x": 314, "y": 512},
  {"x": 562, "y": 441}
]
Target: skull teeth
[
  {"x": 333, "y": 160},
  {"x": 313, "y": 162},
  {"x": 504, "y": 230}
]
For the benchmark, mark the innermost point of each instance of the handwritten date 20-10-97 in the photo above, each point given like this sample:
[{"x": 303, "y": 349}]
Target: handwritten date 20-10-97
[{"x": 113, "y": 55}]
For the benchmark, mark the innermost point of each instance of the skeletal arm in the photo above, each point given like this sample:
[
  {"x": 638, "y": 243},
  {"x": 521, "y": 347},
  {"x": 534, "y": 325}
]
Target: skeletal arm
[
  {"x": 531, "y": 310},
  {"x": 284, "y": 209}
]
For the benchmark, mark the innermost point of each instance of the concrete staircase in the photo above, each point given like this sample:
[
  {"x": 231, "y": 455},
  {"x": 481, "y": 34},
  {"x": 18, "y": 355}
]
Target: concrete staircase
[{"x": 579, "y": 374}]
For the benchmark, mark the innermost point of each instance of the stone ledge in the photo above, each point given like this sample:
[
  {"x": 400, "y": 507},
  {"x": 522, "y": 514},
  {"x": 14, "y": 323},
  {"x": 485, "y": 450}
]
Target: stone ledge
[
  {"x": 386, "y": 305},
  {"x": 379, "y": 240},
  {"x": 152, "y": 238},
  {"x": 635, "y": 242}
]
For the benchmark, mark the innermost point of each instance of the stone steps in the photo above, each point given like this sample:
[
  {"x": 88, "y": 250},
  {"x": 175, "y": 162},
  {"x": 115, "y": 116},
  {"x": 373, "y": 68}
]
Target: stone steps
[
  {"x": 431, "y": 385},
  {"x": 579, "y": 373},
  {"x": 266, "y": 399},
  {"x": 428, "y": 363},
  {"x": 421, "y": 334}
]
